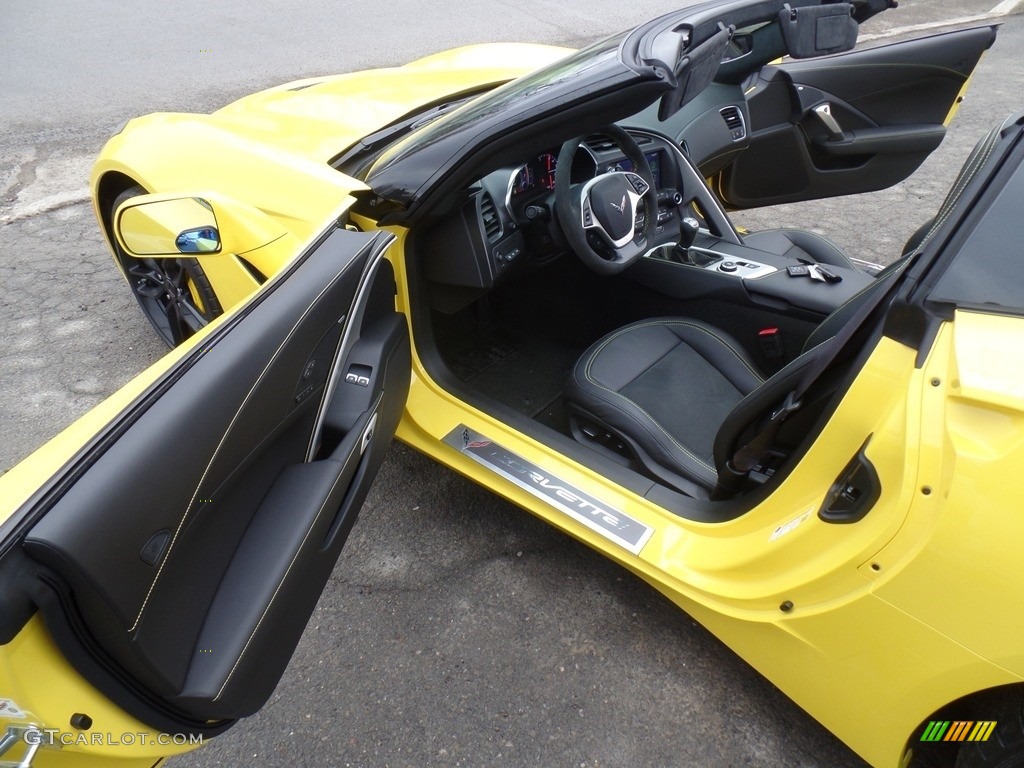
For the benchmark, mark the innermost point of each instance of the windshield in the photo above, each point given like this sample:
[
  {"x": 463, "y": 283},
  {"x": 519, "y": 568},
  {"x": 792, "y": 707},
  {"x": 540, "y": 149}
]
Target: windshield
[{"x": 506, "y": 99}]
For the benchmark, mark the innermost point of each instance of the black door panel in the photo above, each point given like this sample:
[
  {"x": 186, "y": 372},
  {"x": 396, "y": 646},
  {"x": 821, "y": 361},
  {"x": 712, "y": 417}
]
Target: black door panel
[
  {"x": 915, "y": 81},
  {"x": 222, "y": 670},
  {"x": 181, "y": 568},
  {"x": 856, "y": 122},
  {"x": 884, "y": 140}
]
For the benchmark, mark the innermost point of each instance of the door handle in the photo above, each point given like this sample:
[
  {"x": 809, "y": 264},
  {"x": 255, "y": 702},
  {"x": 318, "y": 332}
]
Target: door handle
[
  {"x": 824, "y": 113},
  {"x": 364, "y": 441}
]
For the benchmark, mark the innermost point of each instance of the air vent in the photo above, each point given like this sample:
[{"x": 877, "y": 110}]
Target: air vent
[
  {"x": 489, "y": 216},
  {"x": 599, "y": 143},
  {"x": 734, "y": 122}
]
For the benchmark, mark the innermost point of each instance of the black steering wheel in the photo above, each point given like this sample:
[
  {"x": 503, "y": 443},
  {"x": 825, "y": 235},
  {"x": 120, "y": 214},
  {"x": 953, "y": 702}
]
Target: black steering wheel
[{"x": 599, "y": 218}]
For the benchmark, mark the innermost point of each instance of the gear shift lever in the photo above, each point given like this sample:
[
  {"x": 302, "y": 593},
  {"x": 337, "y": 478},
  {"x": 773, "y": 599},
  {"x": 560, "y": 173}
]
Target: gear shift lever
[{"x": 688, "y": 227}]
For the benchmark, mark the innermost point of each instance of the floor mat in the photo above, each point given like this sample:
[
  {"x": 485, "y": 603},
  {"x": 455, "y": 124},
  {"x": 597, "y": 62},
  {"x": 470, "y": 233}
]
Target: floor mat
[
  {"x": 555, "y": 416},
  {"x": 518, "y": 344},
  {"x": 528, "y": 376},
  {"x": 482, "y": 351}
]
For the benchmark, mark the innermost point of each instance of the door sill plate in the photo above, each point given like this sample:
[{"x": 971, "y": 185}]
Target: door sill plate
[{"x": 612, "y": 524}]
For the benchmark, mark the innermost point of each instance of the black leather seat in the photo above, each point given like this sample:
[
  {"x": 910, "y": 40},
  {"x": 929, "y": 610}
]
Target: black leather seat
[
  {"x": 684, "y": 395},
  {"x": 665, "y": 385}
]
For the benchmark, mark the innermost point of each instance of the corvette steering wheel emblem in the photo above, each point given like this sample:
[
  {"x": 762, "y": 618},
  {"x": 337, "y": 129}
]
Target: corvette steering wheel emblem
[{"x": 620, "y": 206}]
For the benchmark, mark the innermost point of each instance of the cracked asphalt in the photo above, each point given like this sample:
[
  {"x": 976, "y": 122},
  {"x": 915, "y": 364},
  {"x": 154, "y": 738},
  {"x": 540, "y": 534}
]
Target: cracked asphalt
[{"x": 456, "y": 630}]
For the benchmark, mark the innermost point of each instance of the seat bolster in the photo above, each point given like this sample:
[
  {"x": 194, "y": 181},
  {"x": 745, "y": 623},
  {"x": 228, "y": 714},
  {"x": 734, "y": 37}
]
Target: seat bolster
[
  {"x": 631, "y": 421},
  {"x": 622, "y": 356},
  {"x": 741, "y": 425}
]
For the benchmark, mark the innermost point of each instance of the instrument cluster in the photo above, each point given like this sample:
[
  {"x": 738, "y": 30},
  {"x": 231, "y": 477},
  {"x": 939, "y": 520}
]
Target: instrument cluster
[{"x": 537, "y": 174}]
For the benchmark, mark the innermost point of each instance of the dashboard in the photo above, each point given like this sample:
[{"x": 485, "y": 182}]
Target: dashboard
[
  {"x": 654, "y": 161},
  {"x": 505, "y": 225},
  {"x": 509, "y": 220}
]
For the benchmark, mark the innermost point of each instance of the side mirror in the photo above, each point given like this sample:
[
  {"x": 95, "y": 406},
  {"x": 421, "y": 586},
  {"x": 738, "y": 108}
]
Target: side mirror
[
  {"x": 203, "y": 224},
  {"x": 167, "y": 227}
]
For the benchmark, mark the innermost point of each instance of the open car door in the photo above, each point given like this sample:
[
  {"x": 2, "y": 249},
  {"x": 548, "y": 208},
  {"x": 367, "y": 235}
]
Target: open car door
[
  {"x": 175, "y": 560},
  {"x": 849, "y": 123}
]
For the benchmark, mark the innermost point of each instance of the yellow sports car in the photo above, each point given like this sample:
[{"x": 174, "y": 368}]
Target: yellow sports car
[{"x": 520, "y": 260}]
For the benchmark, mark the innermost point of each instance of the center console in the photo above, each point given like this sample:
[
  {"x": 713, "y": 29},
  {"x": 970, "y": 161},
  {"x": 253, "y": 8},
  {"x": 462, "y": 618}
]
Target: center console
[
  {"x": 713, "y": 267},
  {"x": 720, "y": 260}
]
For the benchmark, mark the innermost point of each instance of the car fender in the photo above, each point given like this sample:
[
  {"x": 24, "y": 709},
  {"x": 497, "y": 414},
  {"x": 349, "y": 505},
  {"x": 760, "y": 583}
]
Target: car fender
[{"x": 168, "y": 152}]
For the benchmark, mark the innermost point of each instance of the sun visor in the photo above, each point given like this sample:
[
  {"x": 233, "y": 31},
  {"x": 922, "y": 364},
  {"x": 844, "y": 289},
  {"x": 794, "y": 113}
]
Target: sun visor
[
  {"x": 695, "y": 71},
  {"x": 818, "y": 30}
]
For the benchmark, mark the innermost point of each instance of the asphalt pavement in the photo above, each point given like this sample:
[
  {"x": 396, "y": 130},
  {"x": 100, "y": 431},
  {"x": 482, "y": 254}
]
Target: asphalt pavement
[{"x": 456, "y": 629}]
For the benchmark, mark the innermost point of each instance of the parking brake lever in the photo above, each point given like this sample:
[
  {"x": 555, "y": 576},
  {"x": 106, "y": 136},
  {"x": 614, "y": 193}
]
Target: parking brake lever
[{"x": 824, "y": 113}]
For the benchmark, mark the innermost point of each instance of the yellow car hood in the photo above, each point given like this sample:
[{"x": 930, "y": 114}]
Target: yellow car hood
[{"x": 320, "y": 117}]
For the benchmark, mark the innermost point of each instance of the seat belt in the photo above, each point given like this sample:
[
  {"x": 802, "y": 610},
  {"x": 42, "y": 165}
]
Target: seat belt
[{"x": 750, "y": 455}]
